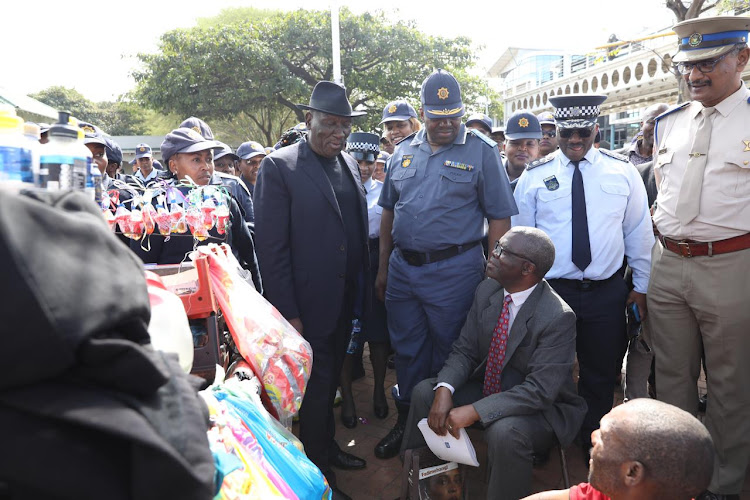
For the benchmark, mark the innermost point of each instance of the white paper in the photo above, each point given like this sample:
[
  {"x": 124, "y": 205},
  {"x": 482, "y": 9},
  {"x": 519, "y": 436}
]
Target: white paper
[{"x": 449, "y": 448}]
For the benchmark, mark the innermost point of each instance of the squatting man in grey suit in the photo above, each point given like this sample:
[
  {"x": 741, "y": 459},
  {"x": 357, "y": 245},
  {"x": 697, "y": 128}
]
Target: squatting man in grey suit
[{"x": 526, "y": 400}]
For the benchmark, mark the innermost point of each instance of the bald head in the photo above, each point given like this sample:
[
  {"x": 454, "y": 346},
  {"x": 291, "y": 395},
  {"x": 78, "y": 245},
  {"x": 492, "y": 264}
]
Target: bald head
[
  {"x": 673, "y": 448},
  {"x": 648, "y": 123}
]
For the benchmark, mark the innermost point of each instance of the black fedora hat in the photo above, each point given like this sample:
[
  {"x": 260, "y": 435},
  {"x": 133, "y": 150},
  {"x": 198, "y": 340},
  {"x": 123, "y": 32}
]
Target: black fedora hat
[{"x": 330, "y": 97}]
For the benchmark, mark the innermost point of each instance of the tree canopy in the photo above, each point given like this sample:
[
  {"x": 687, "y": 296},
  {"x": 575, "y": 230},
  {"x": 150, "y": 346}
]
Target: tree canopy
[
  {"x": 121, "y": 117},
  {"x": 250, "y": 68}
]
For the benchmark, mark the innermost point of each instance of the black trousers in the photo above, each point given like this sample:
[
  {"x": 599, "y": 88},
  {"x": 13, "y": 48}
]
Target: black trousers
[
  {"x": 600, "y": 343},
  {"x": 317, "y": 426}
]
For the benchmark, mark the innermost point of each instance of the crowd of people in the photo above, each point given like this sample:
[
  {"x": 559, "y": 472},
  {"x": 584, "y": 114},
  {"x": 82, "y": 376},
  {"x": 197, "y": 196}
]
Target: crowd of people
[{"x": 489, "y": 261}]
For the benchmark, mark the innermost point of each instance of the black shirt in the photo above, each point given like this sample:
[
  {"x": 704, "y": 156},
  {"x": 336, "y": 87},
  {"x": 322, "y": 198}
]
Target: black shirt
[{"x": 346, "y": 192}]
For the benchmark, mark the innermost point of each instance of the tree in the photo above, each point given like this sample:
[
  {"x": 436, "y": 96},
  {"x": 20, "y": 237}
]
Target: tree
[
  {"x": 66, "y": 99},
  {"x": 122, "y": 117},
  {"x": 261, "y": 66}
]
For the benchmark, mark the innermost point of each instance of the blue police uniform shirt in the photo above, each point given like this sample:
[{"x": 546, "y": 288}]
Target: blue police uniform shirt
[
  {"x": 616, "y": 208},
  {"x": 145, "y": 180},
  {"x": 442, "y": 198}
]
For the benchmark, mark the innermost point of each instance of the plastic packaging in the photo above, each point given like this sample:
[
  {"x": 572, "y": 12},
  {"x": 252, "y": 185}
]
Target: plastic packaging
[
  {"x": 62, "y": 157},
  {"x": 31, "y": 133},
  {"x": 15, "y": 157}
]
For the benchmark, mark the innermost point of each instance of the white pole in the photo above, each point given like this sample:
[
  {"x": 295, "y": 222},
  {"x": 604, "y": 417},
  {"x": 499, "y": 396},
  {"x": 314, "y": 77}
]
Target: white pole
[{"x": 336, "y": 49}]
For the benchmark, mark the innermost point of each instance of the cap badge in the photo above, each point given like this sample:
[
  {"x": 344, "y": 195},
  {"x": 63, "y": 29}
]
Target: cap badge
[
  {"x": 88, "y": 129},
  {"x": 141, "y": 149},
  {"x": 406, "y": 160},
  {"x": 576, "y": 111},
  {"x": 523, "y": 122},
  {"x": 695, "y": 39},
  {"x": 747, "y": 146},
  {"x": 195, "y": 134},
  {"x": 442, "y": 93},
  {"x": 392, "y": 108},
  {"x": 196, "y": 128}
]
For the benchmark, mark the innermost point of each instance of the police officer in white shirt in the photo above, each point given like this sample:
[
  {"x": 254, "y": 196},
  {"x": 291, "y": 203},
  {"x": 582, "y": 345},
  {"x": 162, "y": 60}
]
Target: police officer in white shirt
[{"x": 593, "y": 205}]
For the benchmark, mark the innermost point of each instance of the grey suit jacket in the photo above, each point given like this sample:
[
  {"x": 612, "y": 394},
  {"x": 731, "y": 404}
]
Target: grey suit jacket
[
  {"x": 537, "y": 373},
  {"x": 299, "y": 236}
]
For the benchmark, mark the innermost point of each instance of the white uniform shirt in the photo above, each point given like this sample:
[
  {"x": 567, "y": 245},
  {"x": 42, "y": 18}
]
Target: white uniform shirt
[
  {"x": 725, "y": 196},
  {"x": 374, "y": 211},
  {"x": 616, "y": 208},
  {"x": 518, "y": 299}
]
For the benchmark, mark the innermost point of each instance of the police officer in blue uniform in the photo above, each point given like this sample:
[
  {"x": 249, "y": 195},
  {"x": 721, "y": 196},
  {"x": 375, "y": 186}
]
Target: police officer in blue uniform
[
  {"x": 593, "y": 205},
  {"x": 441, "y": 185},
  {"x": 522, "y": 135}
]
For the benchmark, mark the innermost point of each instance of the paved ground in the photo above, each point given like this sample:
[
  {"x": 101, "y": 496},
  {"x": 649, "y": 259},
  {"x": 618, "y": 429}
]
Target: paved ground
[{"x": 381, "y": 478}]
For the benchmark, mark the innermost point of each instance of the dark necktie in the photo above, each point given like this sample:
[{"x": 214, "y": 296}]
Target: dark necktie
[
  {"x": 496, "y": 356},
  {"x": 581, "y": 244}
]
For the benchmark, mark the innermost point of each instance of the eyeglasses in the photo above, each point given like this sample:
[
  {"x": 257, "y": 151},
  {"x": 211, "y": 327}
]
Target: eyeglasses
[
  {"x": 549, "y": 133},
  {"x": 499, "y": 250},
  {"x": 567, "y": 133},
  {"x": 703, "y": 66}
]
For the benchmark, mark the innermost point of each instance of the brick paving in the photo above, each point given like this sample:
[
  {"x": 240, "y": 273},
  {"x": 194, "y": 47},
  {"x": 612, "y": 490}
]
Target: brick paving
[{"x": 381, "y": 479}]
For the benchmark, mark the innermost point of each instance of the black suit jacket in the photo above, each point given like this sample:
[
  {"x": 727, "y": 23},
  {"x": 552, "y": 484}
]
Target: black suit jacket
[
  {"x": 299, "y": 236},
  {"x": 537, "y": 374}
]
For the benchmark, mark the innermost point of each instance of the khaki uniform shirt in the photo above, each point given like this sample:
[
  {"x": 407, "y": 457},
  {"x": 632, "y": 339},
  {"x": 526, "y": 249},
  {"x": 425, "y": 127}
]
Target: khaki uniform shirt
[{"x": 725, "y": 195}]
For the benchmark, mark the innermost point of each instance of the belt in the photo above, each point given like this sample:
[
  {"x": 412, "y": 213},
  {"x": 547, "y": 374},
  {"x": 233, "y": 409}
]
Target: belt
[
  {"x": 421, "y": 258},
  {"x": 585, "y": 284},
  {"x": 688, "y": 248}
]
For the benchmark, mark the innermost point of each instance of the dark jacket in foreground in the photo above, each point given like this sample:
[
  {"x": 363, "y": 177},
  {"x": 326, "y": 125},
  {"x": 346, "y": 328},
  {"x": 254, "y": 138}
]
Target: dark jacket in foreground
[
  {"x": 87, "y": 409},
  {"x": 300, "y": 236},
  {"x": 537, "y": 374}
]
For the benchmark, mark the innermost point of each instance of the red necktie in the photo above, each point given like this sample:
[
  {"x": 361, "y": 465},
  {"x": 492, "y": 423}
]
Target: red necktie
[{"x": 497, "y": 351}]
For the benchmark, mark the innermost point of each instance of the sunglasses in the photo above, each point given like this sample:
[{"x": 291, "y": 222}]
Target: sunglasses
[
  {"x": 549, "y": 133},
  {"x": 499, "y": 250},
  {"x": 583, "y": 133}
]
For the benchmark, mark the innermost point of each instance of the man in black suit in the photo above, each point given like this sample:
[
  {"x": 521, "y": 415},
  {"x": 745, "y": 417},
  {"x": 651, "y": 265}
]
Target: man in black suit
[
  {"x": 511, "y": 368},
  {"x": 311, "y": 237}
]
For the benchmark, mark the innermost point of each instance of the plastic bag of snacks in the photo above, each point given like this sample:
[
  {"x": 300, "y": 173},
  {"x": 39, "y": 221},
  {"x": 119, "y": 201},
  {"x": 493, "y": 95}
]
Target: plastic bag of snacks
[{"x": 279, "y": 356}]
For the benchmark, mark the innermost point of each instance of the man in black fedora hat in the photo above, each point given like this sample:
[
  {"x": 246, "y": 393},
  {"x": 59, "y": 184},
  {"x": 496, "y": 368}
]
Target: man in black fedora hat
[{"x": 311, "y": 234}]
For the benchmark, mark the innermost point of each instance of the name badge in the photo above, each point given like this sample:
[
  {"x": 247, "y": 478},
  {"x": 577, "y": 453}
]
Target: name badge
[
  {"x": 406, "y": 160},
  {"x": 458, "y": 165},
  {"x": 551, "y": 183}
]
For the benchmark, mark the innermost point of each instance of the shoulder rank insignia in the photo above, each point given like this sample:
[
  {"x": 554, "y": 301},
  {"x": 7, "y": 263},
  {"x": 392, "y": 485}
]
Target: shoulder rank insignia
[
  {"x": 541, "y": 161},
  {"x": 551, "y": 183},
  {"x": 612, "y": 154},
  {"x": 672, "y": 110},
  {"x": 406, "y": 160},
  {"x": 476, "y": 133},
  {"x": 460, "y": 166}
]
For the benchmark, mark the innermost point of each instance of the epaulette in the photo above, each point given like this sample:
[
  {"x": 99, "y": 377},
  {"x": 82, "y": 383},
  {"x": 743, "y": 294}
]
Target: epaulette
[
  {"x": 672, "y": 110},
  {"x": 612, "y": 154},
  {"x": 541, "y": 161},
  {"x": 483, "y": 137}
]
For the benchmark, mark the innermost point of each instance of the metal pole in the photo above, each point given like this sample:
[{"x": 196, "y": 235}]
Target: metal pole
[{"x": 336, "y": 49}]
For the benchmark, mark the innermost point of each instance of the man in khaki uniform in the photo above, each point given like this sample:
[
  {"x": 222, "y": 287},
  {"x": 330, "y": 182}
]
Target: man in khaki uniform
[{"x": 699, "y": 293}]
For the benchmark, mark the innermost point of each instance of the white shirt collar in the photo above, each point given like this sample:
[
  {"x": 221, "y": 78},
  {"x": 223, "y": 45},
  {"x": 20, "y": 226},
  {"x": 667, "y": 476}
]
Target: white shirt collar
[{"x": 519, "y": 298}]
